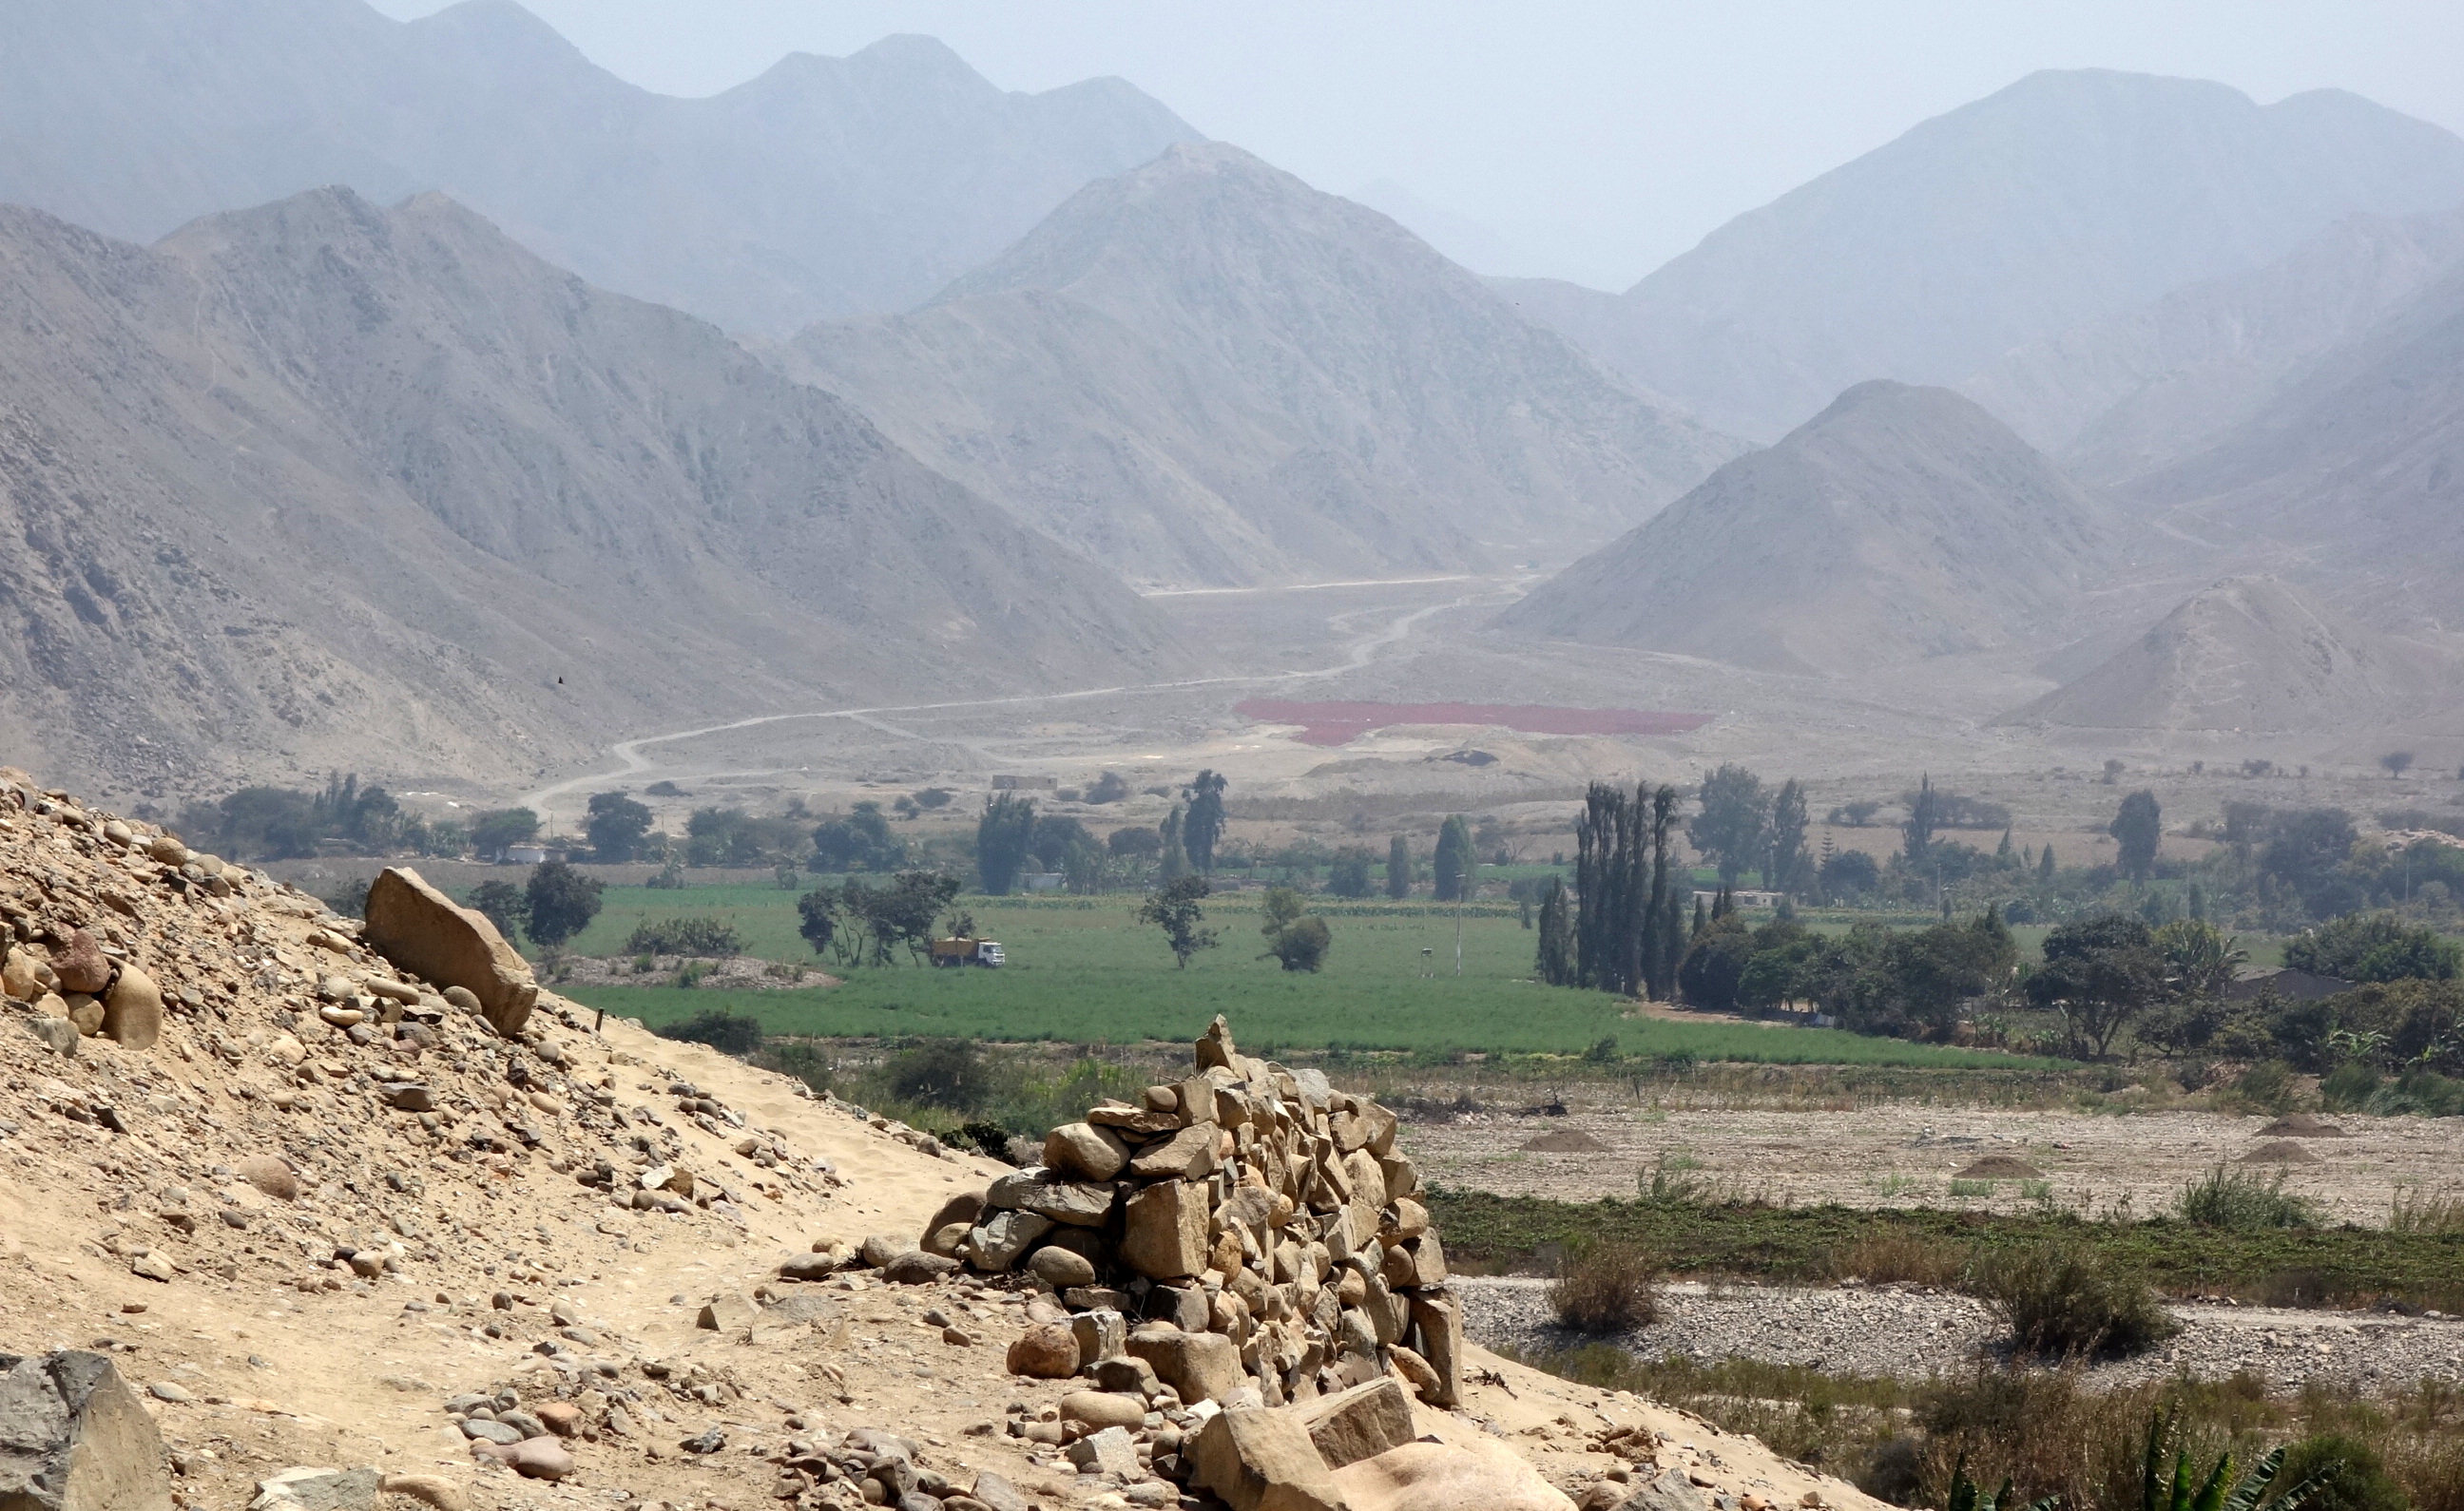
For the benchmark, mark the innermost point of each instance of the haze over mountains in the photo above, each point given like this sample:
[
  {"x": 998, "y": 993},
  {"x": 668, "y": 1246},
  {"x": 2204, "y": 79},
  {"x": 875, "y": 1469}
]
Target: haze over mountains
[
  {"x": 824, "y": 187},
  {"x": 2249, "y": 655},
  {"x": 2066, "y": 198},
  {"x": 1900, "y": 523},
  {"x": 321, "y": 483},
  {"x": 1205, "y": 371},
  {"x": 938, "y": 376}
]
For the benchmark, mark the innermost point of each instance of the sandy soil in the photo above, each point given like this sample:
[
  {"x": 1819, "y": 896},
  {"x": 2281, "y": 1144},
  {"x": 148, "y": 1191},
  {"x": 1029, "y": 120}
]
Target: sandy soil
[{"x": 1906, "y": 1155}]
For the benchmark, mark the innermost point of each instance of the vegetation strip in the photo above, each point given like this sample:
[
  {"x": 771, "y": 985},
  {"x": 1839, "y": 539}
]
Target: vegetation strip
[{"x": 2281, "y": 1266}]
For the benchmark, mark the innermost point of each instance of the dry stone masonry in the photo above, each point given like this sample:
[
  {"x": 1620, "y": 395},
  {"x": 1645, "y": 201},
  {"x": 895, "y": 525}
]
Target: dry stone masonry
[{"x": 1250, "y": 1233}]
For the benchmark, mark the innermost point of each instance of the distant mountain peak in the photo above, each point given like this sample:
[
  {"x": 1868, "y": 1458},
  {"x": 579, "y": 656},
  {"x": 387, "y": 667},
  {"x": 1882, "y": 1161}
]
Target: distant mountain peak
[{"x": 1902, "y": 523}]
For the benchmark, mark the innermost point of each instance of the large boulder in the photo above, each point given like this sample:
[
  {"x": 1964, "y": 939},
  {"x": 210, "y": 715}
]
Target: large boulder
[
  {"x": 1359, "y": 1423},
  {"x": 1084, "y": 1151},
  {"x": 1262, "y": 1459},
  {"x": 74, "y": 1437},
  {"x": 423, "y": 932},
  {"x": 1201, "y": 1365},
  {"x": 1440, "y": 1477},
  {"x": 1164, "y": 1238},
  {"x": 132, "y": 1010}
]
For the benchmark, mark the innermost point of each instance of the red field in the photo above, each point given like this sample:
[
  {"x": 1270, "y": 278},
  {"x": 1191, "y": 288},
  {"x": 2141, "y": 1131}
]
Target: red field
[{"x": 1341, "y": 723}]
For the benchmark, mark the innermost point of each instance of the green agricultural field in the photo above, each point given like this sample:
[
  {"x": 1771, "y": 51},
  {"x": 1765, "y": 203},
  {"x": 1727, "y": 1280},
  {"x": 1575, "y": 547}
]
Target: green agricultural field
[{"x": 1081, "y": 970}]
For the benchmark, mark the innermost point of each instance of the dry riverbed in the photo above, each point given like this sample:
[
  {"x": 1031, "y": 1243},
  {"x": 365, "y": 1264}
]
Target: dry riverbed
[
  {"x": 1909, "y": 1155},
  {"x": 1912, "y": 1332}
]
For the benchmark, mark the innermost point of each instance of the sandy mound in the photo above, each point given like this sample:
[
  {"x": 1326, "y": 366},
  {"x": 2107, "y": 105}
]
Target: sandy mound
[
  {"x": 2302, "y": 1125},
  {"x": 2280, "y": 1151},
  {"x": 1999, "y": 1166},
  {"x": 1564, "y": 1140}
]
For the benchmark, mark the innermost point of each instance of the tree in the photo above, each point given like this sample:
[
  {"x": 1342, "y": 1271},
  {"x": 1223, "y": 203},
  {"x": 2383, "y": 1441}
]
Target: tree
[
  {"x": 1178, "y": 910},
  {"x": 2045, "y": 864},
  {"x": 2101, "y": 973},
  {"x": 2396, "y": 762},
  {"x": 2374, "y": 946},
  {"x": 503, "y": 904},
  {"x": 1001, "y": 839},
  {"x": 615, "y": 826},
  {"x": 2305, "y": 851},
  {"x": 562, "y": 901},
  {"x": 2199, "y": 957},
  {"x": 858, "y": 840},
  {"x": 1281, "y": 909},
  {"x": 1925, "y": 815},
  {"x": 1453, "y": 871},
  {"x": 1172, "y": 852},
  {"x": 1555, "y": 964},
  {"x": 2138, "y": 828},
  {"x": 1204, "y": 825},
  {"x": 493, "y": 831},
  {"x": 1850, "y": 874},
  {"x": 1628, "y": 916},
  {"x": 1137, "y": 843},
  {"x": 1786, "y": 871},
  {"x": 817, "y": 918},
  {"x": 1734, "y": 826},
  {"x": 1349, "y": 875},
  {"x": 1303, "y": 945},
  {"x": 1398, "y": 868},
  {"x": 1109, "y": 788}
]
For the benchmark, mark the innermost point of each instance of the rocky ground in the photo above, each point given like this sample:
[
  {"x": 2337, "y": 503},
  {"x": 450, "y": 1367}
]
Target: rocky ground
[
  {"x": 329, "y": 1216},
  {"x": 1907, "y": 1154},
  {"x": 1913, "y": 1331}
]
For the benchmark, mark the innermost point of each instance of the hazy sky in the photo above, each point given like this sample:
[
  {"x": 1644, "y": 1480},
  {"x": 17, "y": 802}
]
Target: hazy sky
[{"x": 1596, "y": 140}]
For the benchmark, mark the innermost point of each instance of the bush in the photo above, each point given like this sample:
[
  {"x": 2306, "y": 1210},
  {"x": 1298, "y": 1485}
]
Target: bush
[
  {"x": 946, "y": 1073},
  {"x": 2351, "y": 1476},
  {"x": 1301, "y": 946},
  {"x": 1606, "y": 1289},
  {"x": 1901, "y": 1259},
  {"x": 728, "y": 1032},
  {"x": 2069, "y": 1302},
  {"x": 687, "y": 936},
  {"x": 2244, "y": 1202}
]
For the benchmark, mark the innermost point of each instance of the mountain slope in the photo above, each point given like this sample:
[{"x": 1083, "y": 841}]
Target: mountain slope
[
  {"x": 321, "y": 484},
  {"x": 2250, "y": 655},
  {"x": 2350, "y": 479},
  {"x": 2119, "y": 396},
  {"x": 825, "y": 187},
  {"x": 1205, "y": 371},
  {"x": 2066, "y": 198},
  {"x": 1900, "y": 523}
]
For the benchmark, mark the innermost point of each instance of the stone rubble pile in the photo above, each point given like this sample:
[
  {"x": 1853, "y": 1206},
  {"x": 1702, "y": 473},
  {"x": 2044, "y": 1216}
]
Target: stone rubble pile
[{"x": 1250, "y": 1232}]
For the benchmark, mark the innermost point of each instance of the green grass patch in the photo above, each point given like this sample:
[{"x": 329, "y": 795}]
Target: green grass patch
[
  {"x": 2287, "y": 1266},
  {"x": 1081, "y": 970}
]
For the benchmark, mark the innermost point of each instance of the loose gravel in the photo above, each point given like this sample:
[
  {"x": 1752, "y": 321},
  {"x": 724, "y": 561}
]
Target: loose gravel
[{"x": 1912, "y": 1332}]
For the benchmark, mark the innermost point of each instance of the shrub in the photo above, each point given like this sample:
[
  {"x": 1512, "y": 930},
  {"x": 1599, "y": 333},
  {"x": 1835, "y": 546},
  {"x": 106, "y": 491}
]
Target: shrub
[
  {"x": 947, "y": 1073},
  {"x": 1901, "y": 1259},
  {"x": 2239, "y": 1200},
  {"x": 1606, "y": 1289},
  {"x": 686, "y": 936},
  {"x": 728, "y": 1032},
  {"x": 1301, "y": 946},
  {"x": 2069, "y": 1302},
  {"x": 2349, "y": 1088},
  {"x": 2350, "y": 1474}
]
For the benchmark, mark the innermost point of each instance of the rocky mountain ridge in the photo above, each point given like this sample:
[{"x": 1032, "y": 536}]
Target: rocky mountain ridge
[
  {"x": 825, "y": 187},
  {"x": 1901, "y": 523},
  {"x": 323, "y": 485},
  {"x": 1204, "y": 371}
]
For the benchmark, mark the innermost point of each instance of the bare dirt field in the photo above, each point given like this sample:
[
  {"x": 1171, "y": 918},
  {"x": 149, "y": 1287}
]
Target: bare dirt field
[{"x": 1909, "y": 1155}]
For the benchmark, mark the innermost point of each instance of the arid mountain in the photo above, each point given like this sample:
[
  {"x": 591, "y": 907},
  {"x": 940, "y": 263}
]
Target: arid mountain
[
  {"x": 2350, "y": 479},
  {"x": 825, "y": 187},
  {"x": 321, "y": 484},
  {"x": 2120, "y": 396},
  {"x": 1205, "y": 371},
  {"x": 2064, "y": 199},
  {"x": 1900, "y": 523},
  {"x": 2250, "y": 655}
]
